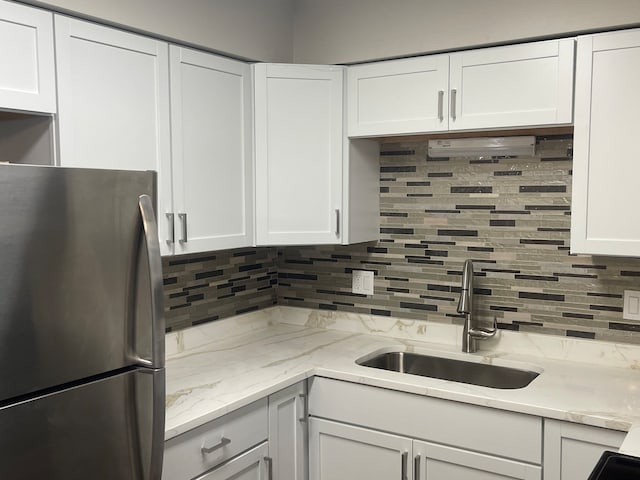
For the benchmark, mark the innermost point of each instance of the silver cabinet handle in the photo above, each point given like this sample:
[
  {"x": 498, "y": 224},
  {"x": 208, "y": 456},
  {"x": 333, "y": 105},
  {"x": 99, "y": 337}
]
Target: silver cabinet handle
[
  {"x": 171, "y": 237},
  {"x": 416, "y": 468},
  {"x": 303, "y": 397},
  {"x": 337, "y": 221},
  {"x": 150, "y": 229},
  {"x": 454, "y": 94},
  {"x": 223, "y": 442},
  {"x": 269, "y": 462},
  {"x": 441, "y": 105},
  {"x": 183, "y": 223},
  {"x": 405, "y": 459}
]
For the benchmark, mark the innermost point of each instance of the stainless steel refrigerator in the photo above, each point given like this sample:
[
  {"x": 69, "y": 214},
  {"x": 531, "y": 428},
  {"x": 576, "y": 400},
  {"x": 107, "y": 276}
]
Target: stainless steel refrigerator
[{"x": 81, "y": 325}]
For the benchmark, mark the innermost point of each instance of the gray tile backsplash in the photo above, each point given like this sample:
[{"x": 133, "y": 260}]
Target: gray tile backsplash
[
  {"x": 510, "y": 215},
  {"x": 204, "y": 287}
]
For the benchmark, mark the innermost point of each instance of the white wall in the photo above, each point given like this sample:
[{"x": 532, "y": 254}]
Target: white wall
[
  {"x": 346, "y": 31},
  {"x": 251, "y": 29}
]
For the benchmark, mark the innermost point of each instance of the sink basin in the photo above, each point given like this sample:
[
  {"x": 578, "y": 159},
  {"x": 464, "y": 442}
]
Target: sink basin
[{"x": 482, "y": 374}]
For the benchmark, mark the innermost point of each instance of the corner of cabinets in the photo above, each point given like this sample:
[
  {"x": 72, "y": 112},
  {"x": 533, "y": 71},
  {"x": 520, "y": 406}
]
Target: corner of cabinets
[{"x": 308, "y": 186}]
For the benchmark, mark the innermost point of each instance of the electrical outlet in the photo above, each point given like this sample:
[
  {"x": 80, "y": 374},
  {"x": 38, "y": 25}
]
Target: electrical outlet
[
  {"x": 631, "y": 309},
  {"x": 362, "y": 282}
]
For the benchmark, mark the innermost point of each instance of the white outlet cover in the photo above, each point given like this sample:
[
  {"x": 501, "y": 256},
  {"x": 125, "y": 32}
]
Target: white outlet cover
[
  {"x": 631, "y": 309},
  {"x": 362, "y": 282}
]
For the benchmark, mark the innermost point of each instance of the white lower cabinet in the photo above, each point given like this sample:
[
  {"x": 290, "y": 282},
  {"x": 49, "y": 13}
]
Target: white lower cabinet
[
  {"x": 251, "y": 465},
  {"x": 210, "y": 445},
  {"x": 288, "y": 432},
  {"x": 411, "y": 437},
  {"x": 343, "y": 452},
  {"x": 571, "y": 450},
  {"x": 265, "y": 440},
  {"x": 439, "y": 462}
]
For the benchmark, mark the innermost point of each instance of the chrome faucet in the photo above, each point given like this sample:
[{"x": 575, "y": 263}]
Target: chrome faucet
[{"x": 471, "y": 334}]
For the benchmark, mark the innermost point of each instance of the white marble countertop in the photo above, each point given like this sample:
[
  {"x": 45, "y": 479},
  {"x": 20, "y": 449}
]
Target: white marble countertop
[{"x": 218, "y": 367}]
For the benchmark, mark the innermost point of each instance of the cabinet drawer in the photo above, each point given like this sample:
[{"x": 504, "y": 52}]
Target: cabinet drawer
[
  {"x": 184, "y": 455},
  {"x": 466, "y": 426}
]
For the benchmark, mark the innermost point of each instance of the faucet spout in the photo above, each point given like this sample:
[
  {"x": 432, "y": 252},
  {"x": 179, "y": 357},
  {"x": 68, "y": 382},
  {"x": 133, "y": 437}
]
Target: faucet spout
[
  {"x": 471, "y": 334},
  {"x": 465, "y": 305}
]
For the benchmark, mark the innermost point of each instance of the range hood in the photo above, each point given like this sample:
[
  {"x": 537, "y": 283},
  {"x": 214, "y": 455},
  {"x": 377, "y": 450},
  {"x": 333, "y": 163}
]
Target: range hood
[{"x": 486, "y": 146}]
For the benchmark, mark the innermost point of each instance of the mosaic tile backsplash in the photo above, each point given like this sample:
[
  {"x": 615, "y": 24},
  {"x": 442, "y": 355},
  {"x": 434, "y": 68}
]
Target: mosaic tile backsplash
[
  {"x": 204, "y": 287},
  {"x": 511, "y": 216}
]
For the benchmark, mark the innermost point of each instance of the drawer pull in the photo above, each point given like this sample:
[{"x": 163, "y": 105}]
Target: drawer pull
[
  {"x": 454, "y": 94},
  {"x": 269, "y": 462},
  {"x": 171, "y": 237},
  {"x": 416, "y": 468},
  {"x": 305, "y": 414},
  {"x": 223, "y": 441},
  {"x": 183, "y": 223},
  {"x": 404, "y": 459}
]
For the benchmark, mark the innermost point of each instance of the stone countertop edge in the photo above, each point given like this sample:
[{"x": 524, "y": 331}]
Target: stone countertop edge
[{"x": 266, "y": 351}]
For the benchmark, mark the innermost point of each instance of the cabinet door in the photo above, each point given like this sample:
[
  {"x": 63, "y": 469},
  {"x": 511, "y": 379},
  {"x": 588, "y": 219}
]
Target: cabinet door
[
  {"x": 518, "y": 85},
  {"x": 606, "y": 147},
  {"x": 113, "y": 103},
  {"x": 398, "y": 96},
  {"x": 344, "y": 452},
  {"x": 288, "y": 433},
  {"x": 27, "y": 71},
  {"x": 251, "y": 465},
  {"x": 571, "y": 451},
  {"x": 437, "y": 462},
  {"x": 211, "y": 151},
  {"x": 298, "y": 157}
]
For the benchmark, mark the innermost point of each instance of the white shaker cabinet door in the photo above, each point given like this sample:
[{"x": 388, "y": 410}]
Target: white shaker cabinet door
[
  {"x": 512, "y": 86},
  {"x": 298, "y": 154},
  {"x": 288, "y": 432},
  {"x": 438, "y": 462},
  {"x": 211, "y": 151},
  {"x": 398, "y": 97},
  {"x": 343, "y": 452},
  {"x": 571, "y": 451},
  {"x": 606, "y": 147},
  {"x": 113, "y": 103},
  {"x": 27, "y": 67}
]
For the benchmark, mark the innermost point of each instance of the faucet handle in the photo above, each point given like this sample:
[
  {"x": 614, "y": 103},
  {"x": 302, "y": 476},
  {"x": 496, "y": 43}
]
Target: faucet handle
[{"x": 484, "y": 333}]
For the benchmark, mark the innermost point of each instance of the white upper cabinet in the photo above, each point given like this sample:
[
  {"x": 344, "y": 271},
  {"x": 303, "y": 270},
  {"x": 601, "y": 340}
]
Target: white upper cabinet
[
  {"x": 113, "y": 102},
  {"x": 298, "y": 154},
  {"x": 606, "y": 147},
  {"x": 27, "y": 67},
  {"x": 502, "y": 87},
  {"x": 513, "y": 86},
  {"x": 399, "y": 96},
  {"x": 211, "y": 152}
]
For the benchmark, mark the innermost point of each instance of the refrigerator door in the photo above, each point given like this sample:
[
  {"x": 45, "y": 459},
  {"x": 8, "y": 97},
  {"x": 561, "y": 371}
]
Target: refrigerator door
[
  {"x": 80, "y": 280},
  {"x": 100, "y": 430}
]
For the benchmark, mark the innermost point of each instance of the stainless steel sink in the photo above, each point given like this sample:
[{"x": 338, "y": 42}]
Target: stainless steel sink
[{"x": 486, "y": 375}]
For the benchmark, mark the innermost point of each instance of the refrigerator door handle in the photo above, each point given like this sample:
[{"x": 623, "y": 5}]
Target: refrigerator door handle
[{"x": 150, "y": 228}]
